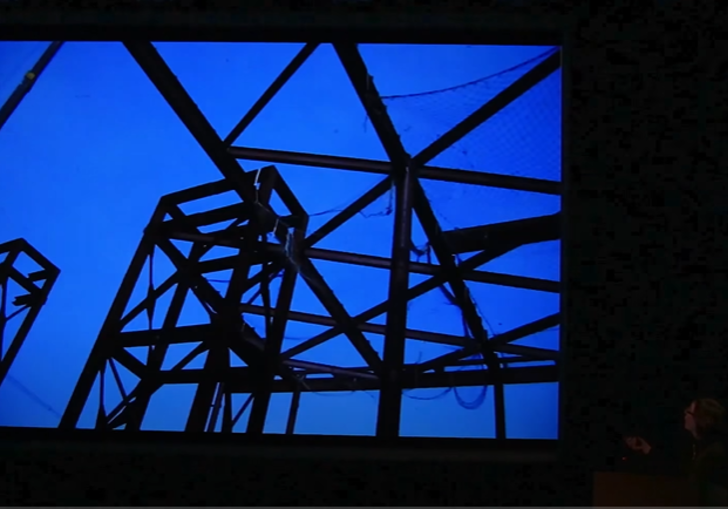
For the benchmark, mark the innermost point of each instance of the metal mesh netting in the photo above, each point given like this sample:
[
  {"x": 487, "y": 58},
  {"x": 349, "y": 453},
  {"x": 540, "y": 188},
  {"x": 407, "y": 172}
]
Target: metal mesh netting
[{"x": 522, "y": 139}]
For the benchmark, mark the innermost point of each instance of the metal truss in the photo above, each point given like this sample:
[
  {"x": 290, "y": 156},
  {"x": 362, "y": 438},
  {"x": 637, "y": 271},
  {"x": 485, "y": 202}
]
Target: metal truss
[
  {"x": 37, "y": 284},
  {"x": 282, "y": 245}
]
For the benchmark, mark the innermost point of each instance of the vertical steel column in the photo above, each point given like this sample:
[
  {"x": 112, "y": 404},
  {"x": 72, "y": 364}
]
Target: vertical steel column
[
  {"x": 272, "y": 350},
  {"x": 293, "y": 412},
  {"x": 228, "y": 325},
  {"x": 404, "y": 179},
  {"x": 390, "y": 396},
  {"x": 215, "y": 369}
]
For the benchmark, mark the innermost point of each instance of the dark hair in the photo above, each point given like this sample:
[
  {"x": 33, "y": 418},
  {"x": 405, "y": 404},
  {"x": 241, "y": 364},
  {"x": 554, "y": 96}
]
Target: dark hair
[{"x": 710, "y": 417}]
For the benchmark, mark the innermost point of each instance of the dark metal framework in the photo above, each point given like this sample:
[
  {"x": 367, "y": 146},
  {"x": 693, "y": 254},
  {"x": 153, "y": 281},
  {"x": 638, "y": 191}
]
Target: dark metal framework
[
  {"x": 37, "y": 284},
  {"x": 281, "y": 245}
]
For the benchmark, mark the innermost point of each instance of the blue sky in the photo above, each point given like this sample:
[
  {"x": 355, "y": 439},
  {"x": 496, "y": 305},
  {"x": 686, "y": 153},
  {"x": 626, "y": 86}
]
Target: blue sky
[{"x": 93, "y": 147}]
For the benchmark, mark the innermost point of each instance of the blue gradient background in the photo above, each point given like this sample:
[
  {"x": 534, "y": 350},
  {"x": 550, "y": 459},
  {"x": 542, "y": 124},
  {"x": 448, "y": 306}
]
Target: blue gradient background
[{"x": 91, "y": 149}]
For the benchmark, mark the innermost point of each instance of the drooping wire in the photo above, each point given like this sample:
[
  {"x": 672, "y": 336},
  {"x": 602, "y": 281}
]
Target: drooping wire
[
  {"x": 528, "y": 62},
  {"x": 32, "y": 395},
  {"x": 426, "y": 251}
]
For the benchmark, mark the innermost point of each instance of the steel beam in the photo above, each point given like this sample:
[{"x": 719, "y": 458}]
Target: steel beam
[
  {"x": 436, "y": 173},
  {"x": 293, "y": 412},
  {"x": 202, "y": 333},
  {"x": 498, "y": 342},
  {"x": 228, "y": 322},
  {"x": 188, "y": 112},
  {"x": 270, "y": 92},
  {"x": 203, "y": 190},
  {"x": 326, "y": 296},
  {"x": 429, "y": 337},
  {"x": 29, "y": 79},
  {"x": 242, "y": 380},
  {"x": 536, "y": 229},
  {"x": 353, "y": 209},
  {"x": 492, "y": 278},
  {"x": 404, "y": 176},
  {"x": 479, "y": 276},
  {"x": 494, "y": 251},
  {"x": 274, "y": 343},
  {"x": 390, "y": 397},
  {"x": 312, "y": 369},
  {"x": 157, "y": 353}
]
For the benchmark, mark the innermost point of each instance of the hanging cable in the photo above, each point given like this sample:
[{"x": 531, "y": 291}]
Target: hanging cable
[
  {"x": 516, "y": 67},
  {"x": 32, "y": 395},
  {"x": 451, "y": 300}
]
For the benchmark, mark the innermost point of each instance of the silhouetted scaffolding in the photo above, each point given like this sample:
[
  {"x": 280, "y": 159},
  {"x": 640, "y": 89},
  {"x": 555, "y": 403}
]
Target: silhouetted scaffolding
[
  {"x": 281, "y": 246},
  {"x": 24, "y": 306}
]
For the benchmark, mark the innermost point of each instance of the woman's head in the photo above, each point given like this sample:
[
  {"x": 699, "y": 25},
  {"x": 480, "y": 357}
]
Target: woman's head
[{"x": 705, "y": 416}]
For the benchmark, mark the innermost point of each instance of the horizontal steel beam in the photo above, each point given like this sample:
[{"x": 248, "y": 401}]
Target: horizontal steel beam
[
  {"x": 358, "y": 371},
  {"x": 494, "y": 251},
  {"x": 496, "y": 342},
  {"x": 243, "y": 380},
  {"x": 494, "y": 278},
  {"x": 429, "y": 337},
  {"x": 202, "y": 333},
  {"x": 477, "y": 178},
  {"x": 478, "y": 276},
  {"x": 526, "y": 231},
  {"x": 206, "y": 190},
  {"x": 315, "y": 367}
]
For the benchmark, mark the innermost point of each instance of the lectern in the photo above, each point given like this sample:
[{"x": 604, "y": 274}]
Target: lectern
[{"x": 621, "y": 489}]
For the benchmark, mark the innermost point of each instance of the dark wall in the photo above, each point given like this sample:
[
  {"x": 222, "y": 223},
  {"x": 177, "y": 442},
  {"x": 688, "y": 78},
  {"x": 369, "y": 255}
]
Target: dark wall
[
  {"x": 646, "y": 243},
  {"x": 647, "y": 238}
]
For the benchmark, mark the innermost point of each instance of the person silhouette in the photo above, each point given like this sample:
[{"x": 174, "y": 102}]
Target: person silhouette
[{"x": 706, "y": 421}]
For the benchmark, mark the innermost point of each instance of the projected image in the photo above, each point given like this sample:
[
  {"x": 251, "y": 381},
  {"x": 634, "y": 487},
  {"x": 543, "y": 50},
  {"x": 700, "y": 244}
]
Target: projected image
[{"x": 310, "y": 239}]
